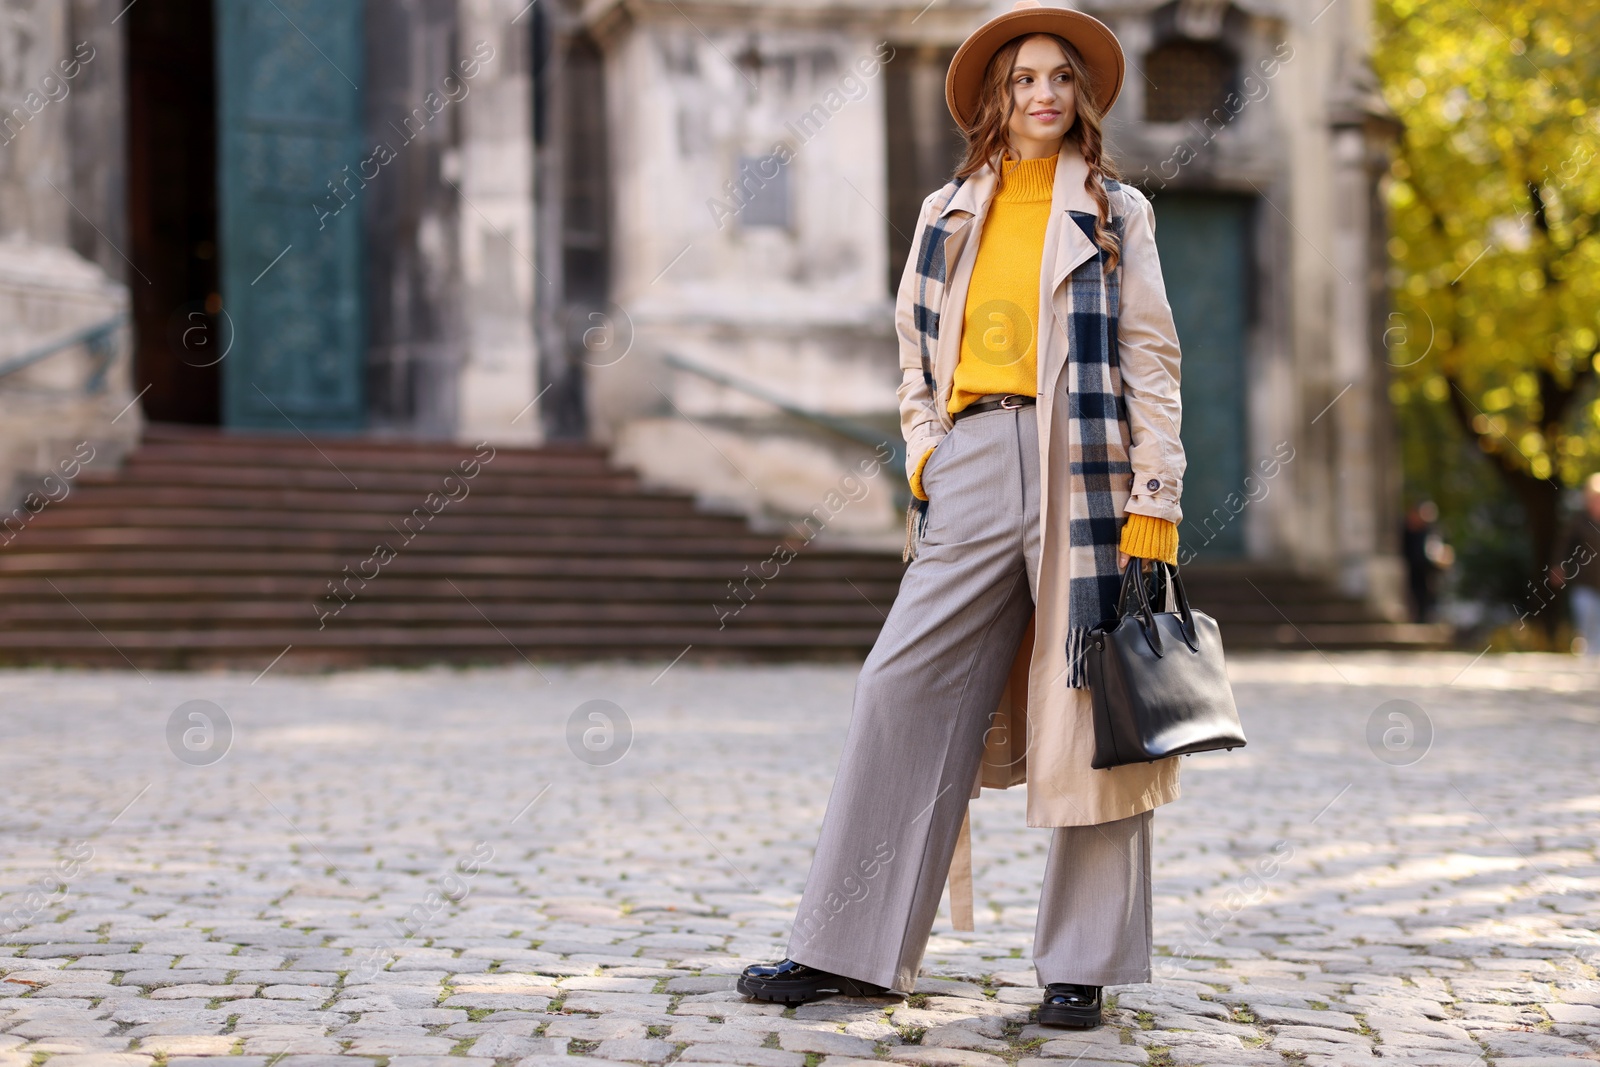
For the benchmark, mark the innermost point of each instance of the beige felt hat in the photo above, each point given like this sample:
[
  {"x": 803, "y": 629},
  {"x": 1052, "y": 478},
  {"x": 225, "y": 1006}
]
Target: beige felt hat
[{"x": 1092, "y": 38}]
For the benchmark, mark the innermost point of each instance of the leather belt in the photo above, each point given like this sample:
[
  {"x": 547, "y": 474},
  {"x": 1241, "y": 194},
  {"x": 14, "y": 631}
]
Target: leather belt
[{"x": 1009, "y": 402}]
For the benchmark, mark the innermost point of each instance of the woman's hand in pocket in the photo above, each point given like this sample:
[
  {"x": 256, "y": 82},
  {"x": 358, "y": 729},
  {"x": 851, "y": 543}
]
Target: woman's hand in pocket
[{"x": 917, "y": 489}]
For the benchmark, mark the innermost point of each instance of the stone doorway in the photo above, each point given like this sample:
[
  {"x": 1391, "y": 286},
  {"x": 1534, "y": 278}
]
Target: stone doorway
[
  {"x": 578, "y": 325},
  {"x": 245, "y": 196},
  {"x": 179, "y": 335},
  {"x": 1204, "y": 243},
  {"x": 924, "y": 144}
]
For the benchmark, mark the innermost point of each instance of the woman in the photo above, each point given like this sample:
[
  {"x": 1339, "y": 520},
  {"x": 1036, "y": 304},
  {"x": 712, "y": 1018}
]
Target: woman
[{"x": 1043, "y": 451}]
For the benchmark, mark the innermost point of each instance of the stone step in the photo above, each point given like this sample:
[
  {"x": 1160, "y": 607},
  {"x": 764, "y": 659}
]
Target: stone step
[
  {"x": 346, "y": 479},
  {"x": 87, "y": 590},
  {"x": 369, "y": 455},
  {"x": 430, "y": 539},
  {"x": 362, "y": 611},
  {"x": 327, "y": 564},
  {"x": 95, "y": 517},
  {"x": 389, "y": 505},
  {"x": 338, "y": 646}
]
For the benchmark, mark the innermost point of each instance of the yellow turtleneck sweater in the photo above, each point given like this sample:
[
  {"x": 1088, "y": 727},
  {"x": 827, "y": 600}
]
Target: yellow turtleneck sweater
[{"x": 999, "y": 350}]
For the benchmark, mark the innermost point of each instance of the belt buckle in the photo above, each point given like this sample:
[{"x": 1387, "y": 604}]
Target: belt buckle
[{"x": 1005, "y": 406}]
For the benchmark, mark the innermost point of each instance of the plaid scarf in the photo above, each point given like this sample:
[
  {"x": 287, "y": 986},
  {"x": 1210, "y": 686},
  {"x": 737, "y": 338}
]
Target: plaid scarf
[
  {"x": 1097, "y": 425},
  {"x": 925, "y": 317},
  {"x": 930, "y": 284}
]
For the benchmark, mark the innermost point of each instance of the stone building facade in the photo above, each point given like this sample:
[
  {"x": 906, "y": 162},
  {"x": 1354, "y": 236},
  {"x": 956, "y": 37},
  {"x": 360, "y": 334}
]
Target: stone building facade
[{"x": 671, "y": 227}]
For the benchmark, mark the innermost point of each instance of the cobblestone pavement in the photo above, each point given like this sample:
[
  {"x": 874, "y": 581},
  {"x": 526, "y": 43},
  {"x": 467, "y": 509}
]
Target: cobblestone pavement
[{"x": 444, "y": 868}]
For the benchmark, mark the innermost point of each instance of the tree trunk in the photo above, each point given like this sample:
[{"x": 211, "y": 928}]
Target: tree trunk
[{"x": 1540, "y": 499}]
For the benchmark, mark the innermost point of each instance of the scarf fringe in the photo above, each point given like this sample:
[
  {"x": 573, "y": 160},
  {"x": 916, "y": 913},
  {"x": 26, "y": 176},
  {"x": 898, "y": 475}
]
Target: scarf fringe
[
  {"x": 1078, "y": 642},
  {"x": 916, "y": 521}
]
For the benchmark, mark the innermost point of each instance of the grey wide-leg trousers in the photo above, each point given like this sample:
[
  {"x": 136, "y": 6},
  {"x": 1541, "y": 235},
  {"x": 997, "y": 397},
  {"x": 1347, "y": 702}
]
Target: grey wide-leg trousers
[{"x": 922, "y": 704}]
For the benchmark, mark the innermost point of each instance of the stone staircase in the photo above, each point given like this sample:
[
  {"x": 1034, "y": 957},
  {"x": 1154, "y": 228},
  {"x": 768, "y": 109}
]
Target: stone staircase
[
  {"x": 210, "y": 549},
  {"x": 1263, "y": 606}
]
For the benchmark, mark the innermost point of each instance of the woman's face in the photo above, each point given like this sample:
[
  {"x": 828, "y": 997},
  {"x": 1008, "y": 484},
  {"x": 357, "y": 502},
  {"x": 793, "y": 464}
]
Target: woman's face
[{"x": 1045, "y": 97}]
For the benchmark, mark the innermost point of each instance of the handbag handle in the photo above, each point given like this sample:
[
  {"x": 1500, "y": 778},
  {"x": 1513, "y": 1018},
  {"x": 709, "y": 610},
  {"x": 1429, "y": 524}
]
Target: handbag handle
[
  {"x": 1132, "y": 576},
  {"x": 1128, "y": 571},
  {"x": 1191, "y": 636}
]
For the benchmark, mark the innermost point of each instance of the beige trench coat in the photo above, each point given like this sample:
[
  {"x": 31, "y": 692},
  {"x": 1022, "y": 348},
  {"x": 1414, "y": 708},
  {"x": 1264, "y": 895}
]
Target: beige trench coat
[{"x": 1042, "y": 732}]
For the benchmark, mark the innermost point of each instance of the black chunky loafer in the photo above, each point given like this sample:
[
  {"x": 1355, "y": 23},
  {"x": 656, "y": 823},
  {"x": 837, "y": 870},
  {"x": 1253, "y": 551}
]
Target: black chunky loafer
[
  {"x": 788, "y": 982},
  {"x": 1074, "y": 1007}
]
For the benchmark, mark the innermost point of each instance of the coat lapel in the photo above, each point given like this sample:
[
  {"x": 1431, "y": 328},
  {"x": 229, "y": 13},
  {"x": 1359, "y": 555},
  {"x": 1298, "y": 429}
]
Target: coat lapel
[
  {"x": 1068, "y": 194},
  {"x": 969, "y": 202},
  {"x": 962, "y": 218},
  {"x": 1066, "y": 248}
]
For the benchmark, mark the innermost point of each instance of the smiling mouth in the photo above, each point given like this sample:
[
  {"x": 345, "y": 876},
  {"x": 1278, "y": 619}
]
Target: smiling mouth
[{"x": 1046, "y": 116}]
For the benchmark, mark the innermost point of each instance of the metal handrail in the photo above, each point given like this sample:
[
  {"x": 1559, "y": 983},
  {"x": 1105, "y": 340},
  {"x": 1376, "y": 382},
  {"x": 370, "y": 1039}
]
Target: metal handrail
[
  {"x": 851, "y": 429},
  {"x": 96, "y": 337}
]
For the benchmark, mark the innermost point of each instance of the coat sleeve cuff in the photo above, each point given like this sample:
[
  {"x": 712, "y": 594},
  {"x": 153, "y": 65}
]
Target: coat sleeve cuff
[
  {"x": 1156, "y": 496},
  {"x": 1150, "y": 538}
]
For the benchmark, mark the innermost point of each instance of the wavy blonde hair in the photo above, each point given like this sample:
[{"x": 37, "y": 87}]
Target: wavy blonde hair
[{"x": 989, "y": 139}]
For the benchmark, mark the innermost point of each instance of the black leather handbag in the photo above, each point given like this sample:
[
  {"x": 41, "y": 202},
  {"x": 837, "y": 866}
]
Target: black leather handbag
[{"x": 1157, "y": 679}]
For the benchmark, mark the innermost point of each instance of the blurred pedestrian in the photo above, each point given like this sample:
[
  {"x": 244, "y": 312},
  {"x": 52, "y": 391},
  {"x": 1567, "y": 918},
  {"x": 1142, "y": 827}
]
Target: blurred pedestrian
[
  {"x": 1027, "y": 502},
  {"x": 1580, "y": 567},
  {"x": 1426, "y": 555}
]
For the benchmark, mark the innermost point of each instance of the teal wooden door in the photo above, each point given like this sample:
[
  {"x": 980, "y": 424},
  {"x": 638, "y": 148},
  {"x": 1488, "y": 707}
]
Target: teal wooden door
[
  {"x": 289, "y": 117},
  {"x": 1204, "y": 246}
]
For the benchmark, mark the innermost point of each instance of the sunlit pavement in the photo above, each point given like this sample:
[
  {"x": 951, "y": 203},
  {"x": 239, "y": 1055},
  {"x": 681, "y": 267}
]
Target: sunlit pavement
[{"x": 410, "y": 865}]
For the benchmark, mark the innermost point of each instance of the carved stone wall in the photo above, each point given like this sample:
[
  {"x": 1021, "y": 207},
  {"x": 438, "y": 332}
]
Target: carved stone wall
[
  {"x": 48, "y": 291},
  {"x": 416, "y": 333}
]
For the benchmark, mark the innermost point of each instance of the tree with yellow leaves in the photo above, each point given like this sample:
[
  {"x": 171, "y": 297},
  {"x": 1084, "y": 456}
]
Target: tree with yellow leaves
[{"x": 1495, "y": 215}]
